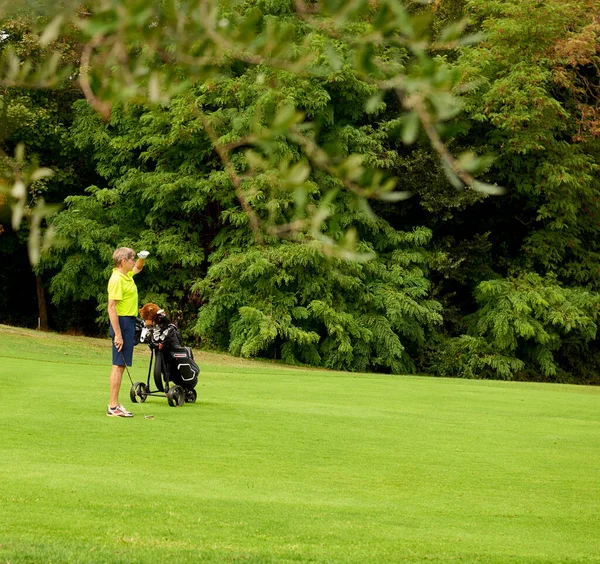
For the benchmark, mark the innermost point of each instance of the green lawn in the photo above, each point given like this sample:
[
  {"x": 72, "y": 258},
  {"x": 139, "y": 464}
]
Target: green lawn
[{"x": 276, "y": 464}]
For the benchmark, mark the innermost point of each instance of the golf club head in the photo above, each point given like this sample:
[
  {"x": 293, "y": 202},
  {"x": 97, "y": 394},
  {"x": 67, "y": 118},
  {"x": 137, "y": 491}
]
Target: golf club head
[{"x": 148, "y": 416}]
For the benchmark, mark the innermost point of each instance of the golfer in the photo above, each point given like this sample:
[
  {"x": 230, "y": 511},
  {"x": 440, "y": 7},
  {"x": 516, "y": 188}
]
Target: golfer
[{"x": 122, "y": 311}]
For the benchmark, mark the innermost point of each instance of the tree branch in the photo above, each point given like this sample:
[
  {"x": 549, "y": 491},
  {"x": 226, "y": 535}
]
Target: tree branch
[{"x": 101, "y": 106}]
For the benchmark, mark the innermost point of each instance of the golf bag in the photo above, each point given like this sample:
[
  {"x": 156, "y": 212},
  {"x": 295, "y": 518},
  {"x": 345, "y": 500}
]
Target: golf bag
[{"x": 173, "y": 363}]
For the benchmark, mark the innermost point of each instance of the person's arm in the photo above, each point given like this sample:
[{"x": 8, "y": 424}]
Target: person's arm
[
  {"x": 139, "y": 263},
  {"x": 114, "y": 321}
]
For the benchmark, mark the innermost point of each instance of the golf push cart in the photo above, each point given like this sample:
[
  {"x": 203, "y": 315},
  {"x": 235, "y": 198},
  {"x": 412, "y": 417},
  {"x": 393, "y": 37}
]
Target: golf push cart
[{"x": 170, "y": 363}]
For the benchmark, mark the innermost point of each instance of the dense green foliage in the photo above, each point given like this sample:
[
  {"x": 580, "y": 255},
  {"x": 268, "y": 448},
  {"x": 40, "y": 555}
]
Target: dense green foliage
[
  {"x": 40, "y": 119},
  {"x": 520, "y": 325},
  {"x": 245, "y": 163},
  {"x": 291, "y": 300},
  {"x": 537, "y": 77}
]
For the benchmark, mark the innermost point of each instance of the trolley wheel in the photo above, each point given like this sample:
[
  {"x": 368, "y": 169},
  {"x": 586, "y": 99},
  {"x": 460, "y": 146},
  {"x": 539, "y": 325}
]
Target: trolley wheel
[
  {"x": 190, "y": 396},
  {"x": 176, "y": 396},
  {"x": 138, "y": 392}
]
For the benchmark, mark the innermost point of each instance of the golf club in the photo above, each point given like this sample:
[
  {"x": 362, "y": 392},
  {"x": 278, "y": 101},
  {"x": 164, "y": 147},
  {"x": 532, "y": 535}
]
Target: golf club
[{"x": 130, "y": 379}]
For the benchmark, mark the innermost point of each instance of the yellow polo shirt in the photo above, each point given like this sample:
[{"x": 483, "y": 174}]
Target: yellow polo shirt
[{"x": 122, "y": 288}]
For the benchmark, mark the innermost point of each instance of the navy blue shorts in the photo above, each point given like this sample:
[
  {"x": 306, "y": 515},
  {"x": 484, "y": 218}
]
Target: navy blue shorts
[{"x": 127, "y": 325}]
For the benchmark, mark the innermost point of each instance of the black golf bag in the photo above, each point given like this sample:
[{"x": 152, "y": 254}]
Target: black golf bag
[{"x": 173, "y": 363}]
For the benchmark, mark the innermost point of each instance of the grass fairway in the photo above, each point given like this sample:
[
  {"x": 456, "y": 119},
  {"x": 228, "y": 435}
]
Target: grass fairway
[{"x": 276, "y": 464}]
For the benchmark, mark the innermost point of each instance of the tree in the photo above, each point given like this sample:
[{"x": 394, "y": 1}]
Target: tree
[
  {"x": 139, "y": 50},
  {"x": 535, "y": 122},
  {"x": 521, "y": 326},
  {"x": 533, "y": 106},
  {"x": 306, "y": 298},
  {"x": 281, "y": 130},
  {"x": 37, "y": 119}
]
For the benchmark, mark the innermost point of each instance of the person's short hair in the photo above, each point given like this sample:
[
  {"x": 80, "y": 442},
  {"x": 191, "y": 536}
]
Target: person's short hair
[{"x": 121, "y": 254}]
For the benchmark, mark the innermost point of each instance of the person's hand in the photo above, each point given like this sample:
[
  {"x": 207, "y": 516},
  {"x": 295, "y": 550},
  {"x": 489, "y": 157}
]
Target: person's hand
[
  {"x": 118, "y": 341},
  {"x": 143, "y": 254}
]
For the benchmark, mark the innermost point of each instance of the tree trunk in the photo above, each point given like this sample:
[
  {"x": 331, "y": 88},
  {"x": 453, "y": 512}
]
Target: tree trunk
[{"x": 43, "y": 310}]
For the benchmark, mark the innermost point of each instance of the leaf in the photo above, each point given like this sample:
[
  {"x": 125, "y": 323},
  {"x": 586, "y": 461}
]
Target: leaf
[
  {"x": 491, "y": 189},
  {"x": 363, "y": 205},
  {"x": 394, "y": 196},
  {"x": 154, "y": 87},
  {"x": 20, "y": 153},
  {"x": 333, "y": 58},
  {"x": 18, "y": 190},
  {"x": 467, "y": 161},
  {"x": 40, "y": 173},
  {"x": 255, "y": 161},
  {"x": 51, "y": 32},
  {"x": 446, "y": 105},
  {"x": 472, "y": 38},
  {"x": 374, "y": 103},
  {"x": 410, "y": 128},
  {"x": 300, "y": 199},
  {"x": 286, "y": 117},
  {"x": 18, "y": 210},
  {"x": 298, "y": 173},
  {"x": 403, "y": 20},
  {"x": 452, "y": 176},
  {"x": 453, "y": 31}
]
